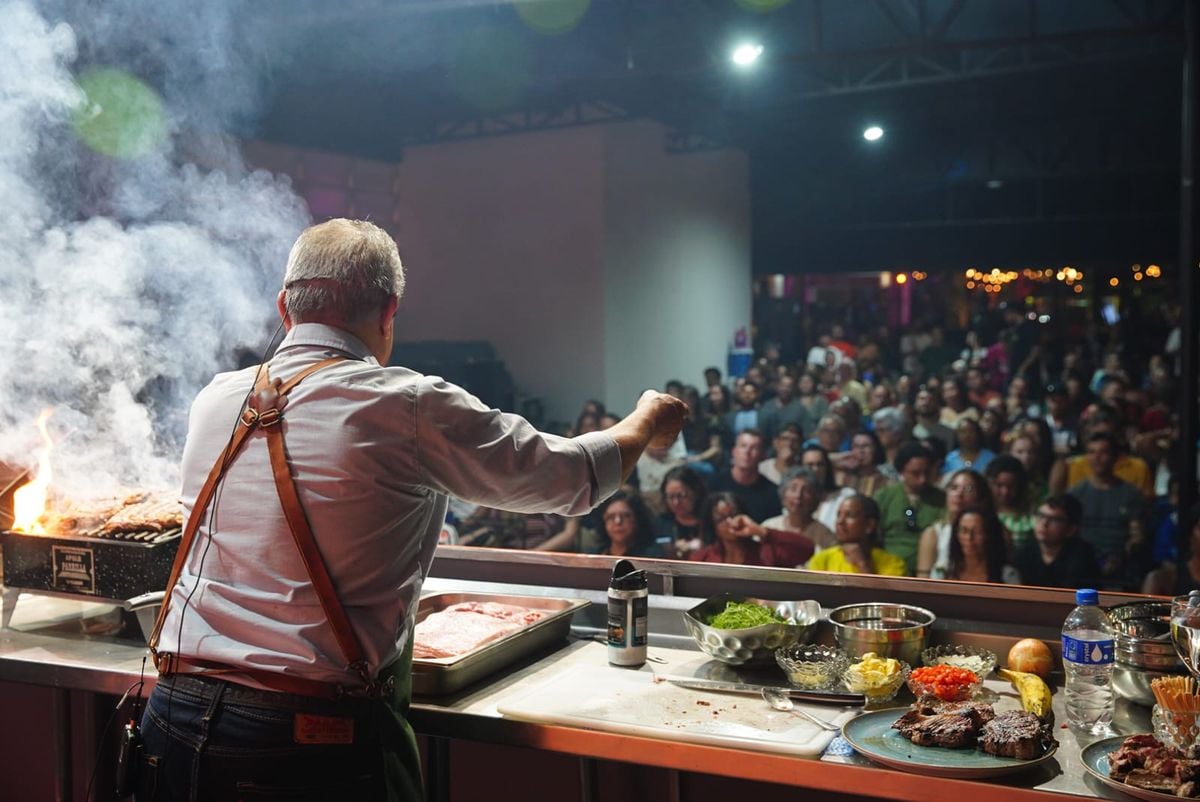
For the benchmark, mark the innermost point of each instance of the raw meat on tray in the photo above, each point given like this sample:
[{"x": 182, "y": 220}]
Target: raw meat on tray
[{"x": 468, "y": 625}]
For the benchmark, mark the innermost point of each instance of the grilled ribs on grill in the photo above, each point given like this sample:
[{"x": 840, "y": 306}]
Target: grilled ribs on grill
[{"x": 1014, "y": 733}]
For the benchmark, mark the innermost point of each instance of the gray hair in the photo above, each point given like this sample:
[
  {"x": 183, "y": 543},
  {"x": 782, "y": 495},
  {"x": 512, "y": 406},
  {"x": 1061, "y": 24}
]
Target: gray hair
[
  {"x": 799, "y": 472},
  {"x": 341, "y": 271},
  {"x": 890, "y": 417}
]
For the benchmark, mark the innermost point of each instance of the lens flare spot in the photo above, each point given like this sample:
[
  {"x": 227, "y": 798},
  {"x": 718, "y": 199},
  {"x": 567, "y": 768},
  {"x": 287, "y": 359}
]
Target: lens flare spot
[
  {"x": 552, "y": 17},
  {"x": 121, "y": 116},
  {"x": 762, "y": 6}
]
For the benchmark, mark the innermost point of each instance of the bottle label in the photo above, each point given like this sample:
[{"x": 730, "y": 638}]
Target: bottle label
[
  {"x": 627, "y": 620},
  {"x": 1087, "y": 652}
]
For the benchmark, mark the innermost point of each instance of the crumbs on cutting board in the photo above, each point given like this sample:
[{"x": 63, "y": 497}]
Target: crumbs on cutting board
[{"x": 703, "y": 703}]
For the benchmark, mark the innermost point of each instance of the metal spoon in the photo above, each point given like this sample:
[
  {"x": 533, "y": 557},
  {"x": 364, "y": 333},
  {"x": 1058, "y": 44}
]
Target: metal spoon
[{"x": 781, "y": 701}]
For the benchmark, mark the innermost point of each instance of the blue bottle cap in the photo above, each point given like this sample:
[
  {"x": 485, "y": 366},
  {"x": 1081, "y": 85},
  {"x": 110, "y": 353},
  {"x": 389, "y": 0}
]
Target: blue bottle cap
[{"x": 1086, "y": 596}]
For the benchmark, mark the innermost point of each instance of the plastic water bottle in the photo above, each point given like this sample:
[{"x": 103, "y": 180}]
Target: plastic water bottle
[{"x": 1087, "y": 645}]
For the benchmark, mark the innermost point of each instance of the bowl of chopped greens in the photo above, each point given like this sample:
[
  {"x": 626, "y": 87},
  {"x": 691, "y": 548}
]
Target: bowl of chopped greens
[{"x": 743, "y": 631}]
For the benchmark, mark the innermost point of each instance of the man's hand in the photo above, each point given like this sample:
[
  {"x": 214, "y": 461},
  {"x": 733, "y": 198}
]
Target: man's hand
[
  {"x": 667, "y": 415},
  {"x": 655, "y": 422}
]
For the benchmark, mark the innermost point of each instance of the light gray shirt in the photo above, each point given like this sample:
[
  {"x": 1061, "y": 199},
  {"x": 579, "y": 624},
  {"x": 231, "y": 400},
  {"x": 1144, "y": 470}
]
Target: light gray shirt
[{"x": 374, "y": 452}]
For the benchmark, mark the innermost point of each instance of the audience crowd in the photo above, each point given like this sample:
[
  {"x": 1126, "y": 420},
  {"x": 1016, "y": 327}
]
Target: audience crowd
[{"x": 1006, "y": 457}]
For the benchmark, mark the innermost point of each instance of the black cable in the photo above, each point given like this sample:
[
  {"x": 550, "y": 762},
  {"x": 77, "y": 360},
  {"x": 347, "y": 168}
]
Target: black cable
[
  {"x": 212, "y": 516},
  {"x": 104, "y": 733}
]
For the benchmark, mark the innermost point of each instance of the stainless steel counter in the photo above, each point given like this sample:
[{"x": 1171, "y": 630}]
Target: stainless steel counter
[{"x": 63, "y": 654}]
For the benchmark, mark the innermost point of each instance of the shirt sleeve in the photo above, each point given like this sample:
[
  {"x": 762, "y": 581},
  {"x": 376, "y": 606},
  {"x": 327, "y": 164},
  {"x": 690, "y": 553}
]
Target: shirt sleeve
[
  {"x": 500, "y": 460},
  {"x": 791, "y": 548}
]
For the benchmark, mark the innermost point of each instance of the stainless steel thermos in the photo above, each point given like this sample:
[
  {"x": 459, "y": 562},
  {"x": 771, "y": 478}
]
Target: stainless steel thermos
[{"x": 628, "y": 612}]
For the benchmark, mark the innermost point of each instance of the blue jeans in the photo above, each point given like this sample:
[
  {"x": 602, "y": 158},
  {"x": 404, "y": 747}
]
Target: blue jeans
[{"x": 207, "y": 739}]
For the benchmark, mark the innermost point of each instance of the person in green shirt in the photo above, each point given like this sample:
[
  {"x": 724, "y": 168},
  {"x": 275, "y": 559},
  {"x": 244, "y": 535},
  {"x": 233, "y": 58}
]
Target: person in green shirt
[
  {"x": 857, "y": 550},
  {"x": 909, "y": 506}
]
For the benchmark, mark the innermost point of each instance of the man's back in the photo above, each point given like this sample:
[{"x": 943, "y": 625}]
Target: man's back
[{"x": 373, "y": 451}]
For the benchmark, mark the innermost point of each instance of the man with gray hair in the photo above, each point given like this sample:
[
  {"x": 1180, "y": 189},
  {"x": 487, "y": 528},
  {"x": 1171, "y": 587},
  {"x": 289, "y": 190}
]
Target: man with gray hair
[{"x": 285, "y": 640}]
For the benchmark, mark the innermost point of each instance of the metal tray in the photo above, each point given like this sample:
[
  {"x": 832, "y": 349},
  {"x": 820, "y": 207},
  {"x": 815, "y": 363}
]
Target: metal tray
[{"x": 439, "y": 676}]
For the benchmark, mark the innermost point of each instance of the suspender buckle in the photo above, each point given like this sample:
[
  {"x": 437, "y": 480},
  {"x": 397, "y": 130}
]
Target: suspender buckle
[
  {"x": 249, "y": 417},
  {"x": 269, "y": 417}
]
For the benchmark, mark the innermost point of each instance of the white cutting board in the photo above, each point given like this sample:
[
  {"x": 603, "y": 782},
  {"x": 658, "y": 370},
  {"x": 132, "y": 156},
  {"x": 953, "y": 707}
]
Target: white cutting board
[{"x": 632, "y": 703}]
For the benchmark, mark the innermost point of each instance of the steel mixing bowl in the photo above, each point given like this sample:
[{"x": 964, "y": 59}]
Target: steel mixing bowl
[
  {"x": 753, "y": 644},
  {"x": 888, "y": 630}
]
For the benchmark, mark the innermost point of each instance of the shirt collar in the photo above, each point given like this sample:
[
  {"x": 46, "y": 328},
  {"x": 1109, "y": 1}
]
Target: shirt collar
[{"x": 322, "y": 336}]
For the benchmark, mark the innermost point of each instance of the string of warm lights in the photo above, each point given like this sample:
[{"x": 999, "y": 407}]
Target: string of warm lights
[{"x": 992, "y": 281}]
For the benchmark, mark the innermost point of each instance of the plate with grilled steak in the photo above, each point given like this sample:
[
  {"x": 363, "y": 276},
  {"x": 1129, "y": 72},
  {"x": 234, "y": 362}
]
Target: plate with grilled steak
[
  {"x": 1141, "y": 766},
  {"x": 952, "y": 739}
]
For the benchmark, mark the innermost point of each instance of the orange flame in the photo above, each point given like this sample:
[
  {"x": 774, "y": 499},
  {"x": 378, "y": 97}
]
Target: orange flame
[{"x": 29, "y": 500}]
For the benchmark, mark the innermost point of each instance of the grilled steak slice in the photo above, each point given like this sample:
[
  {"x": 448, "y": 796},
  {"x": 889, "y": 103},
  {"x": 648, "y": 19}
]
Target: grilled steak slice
[
  {"x": 1014, "y": 733},
  {"x": 943, "y": 729},
  {"x": 1152, "y": 781},
  {"x": 980, "y": 713}
]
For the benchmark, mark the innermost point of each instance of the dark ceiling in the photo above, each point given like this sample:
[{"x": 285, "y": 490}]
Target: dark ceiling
[{"x": 1018, "y": 132}]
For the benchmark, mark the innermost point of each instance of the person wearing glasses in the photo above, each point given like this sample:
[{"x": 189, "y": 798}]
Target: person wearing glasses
[
  {"x": 966, "y": 488},
  {"x": 857, "y": 550},
  {"x": 733, "y": 537},
  {"x": 910, "y": 506},
  {"x": 1056, "y": 557},
  {"x": 979, "y": 549},
  {"x": 628, "y": 527},
  {"x": 683, "y": 495}
]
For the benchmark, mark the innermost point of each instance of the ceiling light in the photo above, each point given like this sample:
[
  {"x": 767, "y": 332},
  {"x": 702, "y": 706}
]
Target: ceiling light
[
  {"x": 873, "y": 134},
  {"x": 746, "y": 54}
]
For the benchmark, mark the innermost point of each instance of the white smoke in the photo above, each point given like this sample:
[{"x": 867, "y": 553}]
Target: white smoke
[{"x": 125, "y": 284}]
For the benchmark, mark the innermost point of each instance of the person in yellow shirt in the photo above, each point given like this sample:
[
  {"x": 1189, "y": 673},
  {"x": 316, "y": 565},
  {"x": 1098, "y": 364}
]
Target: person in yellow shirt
[
  {"x": 856, "y": 531},
  {"x": 1070, "y": 472}
]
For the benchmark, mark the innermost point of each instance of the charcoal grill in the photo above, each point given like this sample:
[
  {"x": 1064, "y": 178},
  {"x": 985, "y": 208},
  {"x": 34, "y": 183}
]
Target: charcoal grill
[{"x": 93, "y": 566}]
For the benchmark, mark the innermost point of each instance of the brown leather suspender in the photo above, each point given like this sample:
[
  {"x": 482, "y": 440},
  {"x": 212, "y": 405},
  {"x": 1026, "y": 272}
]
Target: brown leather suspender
[{"x": 264, "y": 412}]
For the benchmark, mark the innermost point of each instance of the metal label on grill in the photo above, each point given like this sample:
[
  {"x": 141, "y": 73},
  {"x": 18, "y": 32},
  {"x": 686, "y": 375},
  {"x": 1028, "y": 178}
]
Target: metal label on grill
[{"x": 74, "y": 569}]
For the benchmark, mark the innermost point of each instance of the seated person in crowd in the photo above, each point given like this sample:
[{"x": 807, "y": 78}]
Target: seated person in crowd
[
  {"x": 857, "y": 550},
  {"x": 759, "y": 497},
  {"x": 956, "y": 404},
  {"x": 782, "y": 410},
  {"x": 966, "y": 489},
  {"x": 893, "y": 431},
  {"x": 1112, "y": 514},
  {"x": 733, "y": 537},
  {"x": 830, "y": 434},
  {"x": 1010, "y": 489},
  {"x": 927, "y": 418},
  {"x": 787, "y": 453},
  {"x": 829, "y": 493},
  {"x": 969, "y": 451},
  {"x": 1128, "y": 468},
  {"x": 1056, "y": 557},
  {"x": 1181, "y": 576},
  {"x": 744, "y": 415},
  {"x": 798, "y": 492},
  {"x": 653, "y": 466},
  {"x": 683, "y": 496},
  {"x": 978, "y": 550},
  {"x": 910, "y": 506},
  {"x": 488, "y": 526},
  {"x": 859, "y": 467},
  {"x": 628, "y": 529},
  {"x": 703, "y": 435},
  {"x": 813, "y": 404}
]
